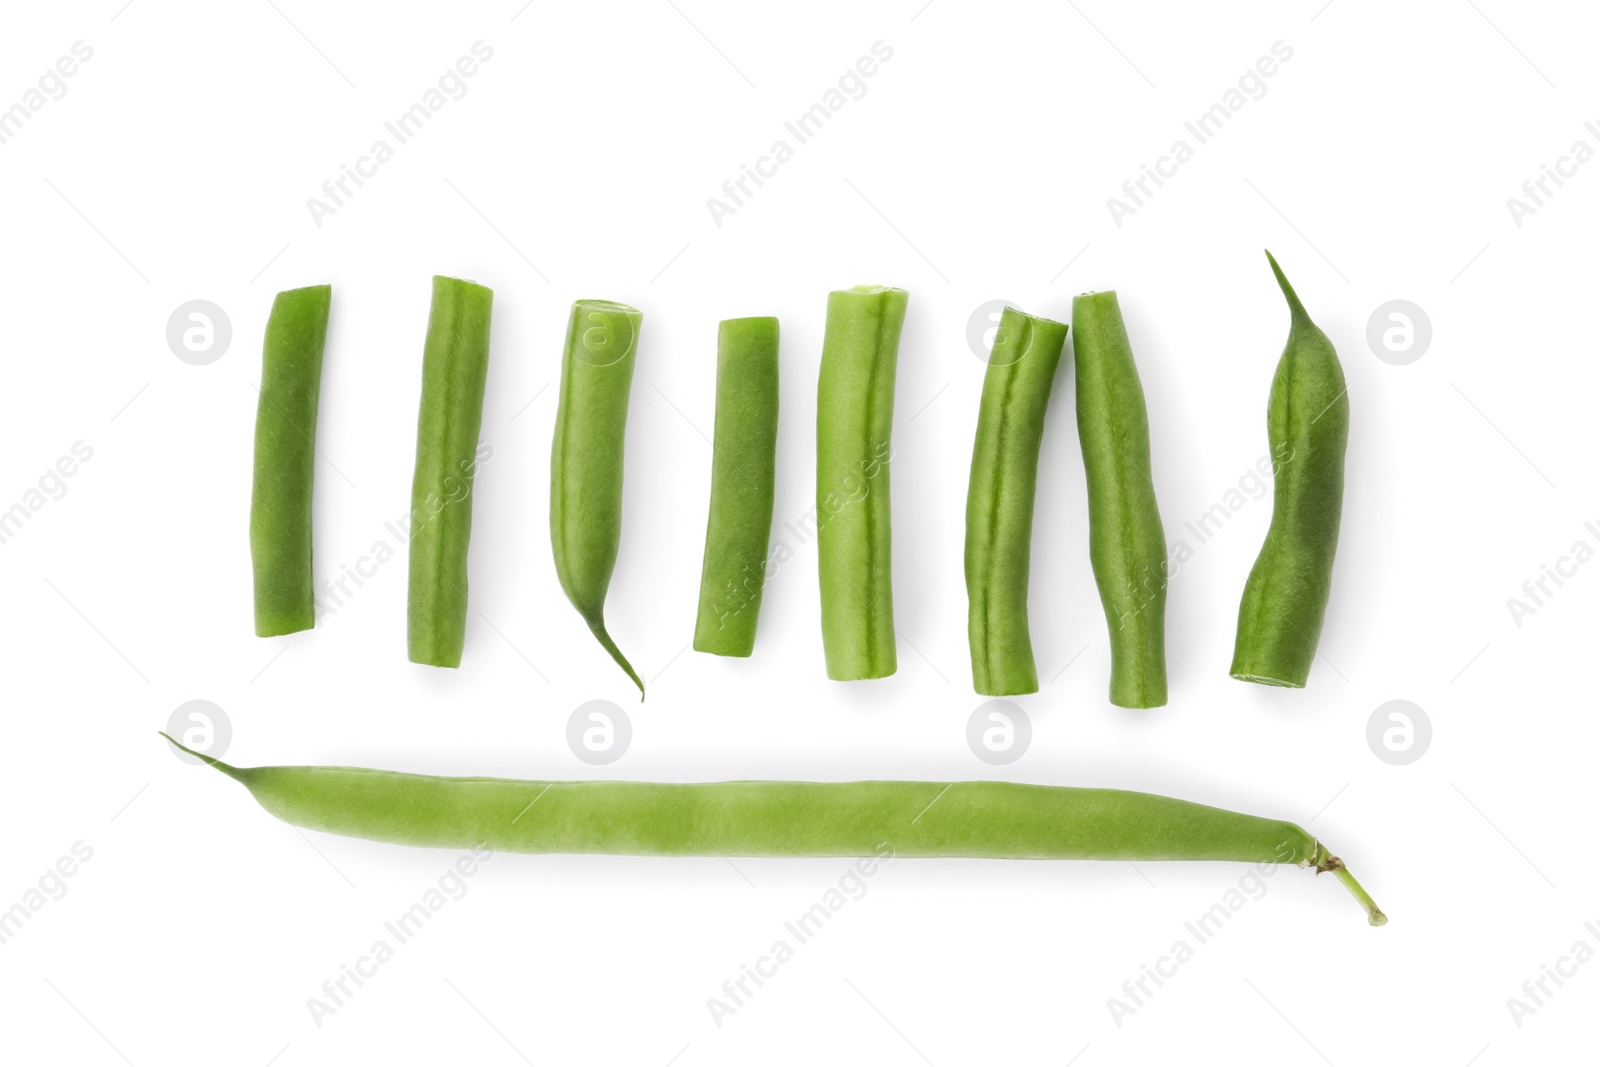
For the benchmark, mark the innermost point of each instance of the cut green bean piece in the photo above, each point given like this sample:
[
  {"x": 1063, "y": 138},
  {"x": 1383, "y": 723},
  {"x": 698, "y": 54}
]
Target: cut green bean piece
[
  {"x": 586, "y": 459},
  {"x": 743, "y": 466},
  {"x": 285, "y": 461},
  {"x": 1126, "y": 543},
  {"x": 1308, "y": 426},
  {"x": 855, "y": 414},
  {"x": 455, "y": 368},
  {"x": 989, "y": 820},
  {"x": 1000, "y": 492}
]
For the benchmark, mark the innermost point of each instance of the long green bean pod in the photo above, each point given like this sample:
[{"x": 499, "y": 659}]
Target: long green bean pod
[
  {"x": 285, "y": 461},
  {"x": 455, "y": 369},
  {"x": 1126, "y": 543},
  {"x": 586, "y": 459},
  {"x": 743, "y": 468},
  {"x": 1005, "y": 472},
  {"x": 855, "y": 414},
  {"x": 1308, "y": 425},
  {"x": 989, "y": 820}
]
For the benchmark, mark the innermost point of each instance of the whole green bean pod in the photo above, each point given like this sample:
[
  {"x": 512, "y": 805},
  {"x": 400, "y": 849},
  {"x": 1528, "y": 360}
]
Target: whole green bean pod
[
  {"x": 455, "y": 370},
  {"x": 1126, "y": 543},
  {"x": 586, "y": 459},
  {"x": 855, "y": 414},
  {"x": 1308, "y": 425},
  {"x": 285, "y": 461},
  {"x": 1005, "y": 471},
  {"x": 989, "y": 820},
  {"x": 743, "y": 467}
]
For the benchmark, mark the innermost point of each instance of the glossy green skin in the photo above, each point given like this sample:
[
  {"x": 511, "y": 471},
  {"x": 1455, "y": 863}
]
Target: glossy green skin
[
  {"x": 1000, "y": 492},
  {"x": 1126, "y": 543},
  {"x": 455, "y": 368},
  {"x": 285, "y": 461},
  {"x": 743, "y": 469},
  {"x": 992, "y": 820},
  {"x": 1308, "y": 425},
  {"x": 855, "y": 414},
  {"x": 586, "y": 459}
]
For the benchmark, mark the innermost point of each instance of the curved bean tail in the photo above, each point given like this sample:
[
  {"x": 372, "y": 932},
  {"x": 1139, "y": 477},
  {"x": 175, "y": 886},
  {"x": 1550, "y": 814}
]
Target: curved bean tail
[
  {"x": 597, "y": 626},
  {"x": 1375, "y": 915}
]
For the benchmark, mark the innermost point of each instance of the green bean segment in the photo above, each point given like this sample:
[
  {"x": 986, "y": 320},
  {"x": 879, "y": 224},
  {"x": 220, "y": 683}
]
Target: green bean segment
[
  {"x": 1308, "y": 425},
  {"x": 743, "y": 468},
  {"x": 1000, "y": 492},
  {"x": 285, "y": 461},
  {"x": 855, "y": 414},
  {"x": 990, "y": 820},
  {"x": 1126, "y": 543},
  {"x": 586, "y": 459},
  {"x": 455, "y": 369}
]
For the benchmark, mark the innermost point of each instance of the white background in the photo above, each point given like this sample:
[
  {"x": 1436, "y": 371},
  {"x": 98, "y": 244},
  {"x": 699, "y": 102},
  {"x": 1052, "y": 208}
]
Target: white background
[{"x": 976, "y": 167}]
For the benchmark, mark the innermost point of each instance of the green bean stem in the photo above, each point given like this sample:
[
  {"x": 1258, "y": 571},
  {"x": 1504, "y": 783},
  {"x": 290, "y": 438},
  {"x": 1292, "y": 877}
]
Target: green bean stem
[
  {"x": 1308, "y": 425},
  {"x": 586, "y": 459},
  {"x": 855, "y": 414},
  {"x": 989, "y": 820},
  {"x": 1005, "y": 471},
  {"x": 1126, "y": 543},
  {"x": 743, "y": 468},
  {"x": 455, "y": 368},
  {"x": 285, "y": 461}
]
